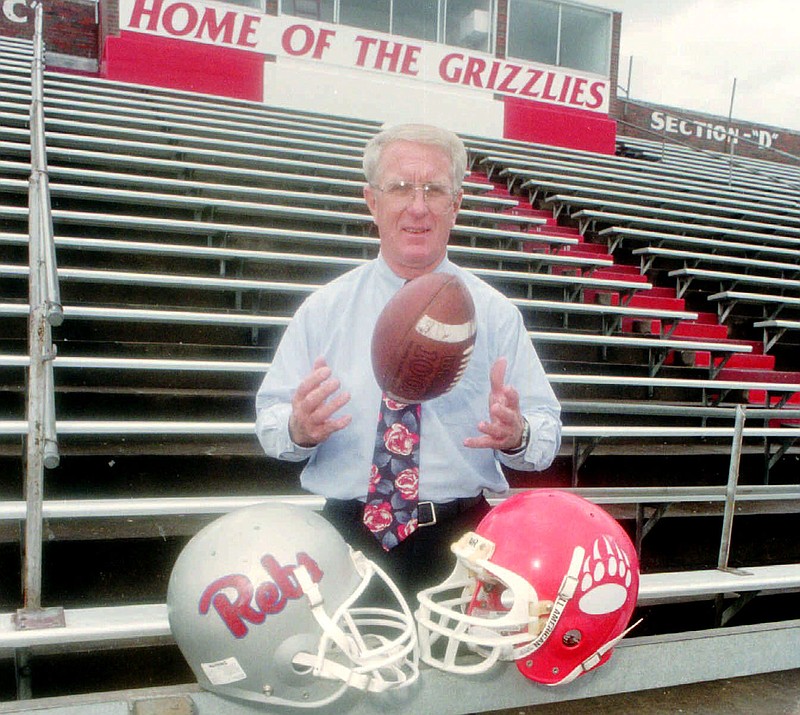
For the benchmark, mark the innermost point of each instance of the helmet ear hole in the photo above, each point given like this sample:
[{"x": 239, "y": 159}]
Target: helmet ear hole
[
  {"x": 301, "y": 669},
  {"x": 288, "y": 667},
  {"x": 572, "y": 638}
]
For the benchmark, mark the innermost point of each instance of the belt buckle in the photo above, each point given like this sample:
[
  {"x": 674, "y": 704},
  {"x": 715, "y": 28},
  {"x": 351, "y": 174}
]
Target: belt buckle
[{"x": 426, "y": 513}]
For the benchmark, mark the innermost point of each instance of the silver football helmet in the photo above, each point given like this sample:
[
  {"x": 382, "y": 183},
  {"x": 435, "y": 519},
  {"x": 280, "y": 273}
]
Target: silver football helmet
[{"x": 262, "y": 604}]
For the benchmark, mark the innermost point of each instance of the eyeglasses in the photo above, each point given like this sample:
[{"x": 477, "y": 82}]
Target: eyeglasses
[{"x": 438, "y": 197}]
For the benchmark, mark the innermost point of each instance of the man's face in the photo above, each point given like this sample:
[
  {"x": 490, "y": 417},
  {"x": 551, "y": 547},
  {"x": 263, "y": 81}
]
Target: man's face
[{"x": 413, "y": 232}]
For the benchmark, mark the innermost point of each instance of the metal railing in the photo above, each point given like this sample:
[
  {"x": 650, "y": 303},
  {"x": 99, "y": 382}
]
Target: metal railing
[{"x": 45, "y": 311}]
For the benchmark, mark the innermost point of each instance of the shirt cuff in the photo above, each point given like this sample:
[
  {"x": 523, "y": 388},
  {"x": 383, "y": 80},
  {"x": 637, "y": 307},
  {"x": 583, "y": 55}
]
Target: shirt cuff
[
  {"x": 272, "y": 430},
  {"x": 543, "y": 444}
]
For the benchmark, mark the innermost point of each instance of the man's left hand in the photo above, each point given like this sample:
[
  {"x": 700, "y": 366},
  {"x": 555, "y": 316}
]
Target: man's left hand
[{"x": 505, "y": 427}]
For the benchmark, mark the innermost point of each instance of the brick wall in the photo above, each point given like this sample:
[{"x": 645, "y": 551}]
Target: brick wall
[
  {"x": 501, "y": 39},
  {"x": 109, "y": 19},
  {"x": 616, "y": 32},
  {"x": 70, "y": 27}
]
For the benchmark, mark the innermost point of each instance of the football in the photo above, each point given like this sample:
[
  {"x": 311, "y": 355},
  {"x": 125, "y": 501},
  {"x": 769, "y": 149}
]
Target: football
[{"x": 424, "y": 338}]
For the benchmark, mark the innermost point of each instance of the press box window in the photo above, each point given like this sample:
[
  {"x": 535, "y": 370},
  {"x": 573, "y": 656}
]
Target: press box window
[
  {"x": 560, "y": 34},
  {"x": 252, "y": 4},
  {"x": 322, "y": 10},
  {"x": 469, "y": 24},
  {"x": 461, "y": 23}
]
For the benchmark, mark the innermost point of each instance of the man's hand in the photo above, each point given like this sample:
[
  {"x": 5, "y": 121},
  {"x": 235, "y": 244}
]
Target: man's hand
[
  {"x": 313, "y": 406},
  {"x": 506, "y": 424}
]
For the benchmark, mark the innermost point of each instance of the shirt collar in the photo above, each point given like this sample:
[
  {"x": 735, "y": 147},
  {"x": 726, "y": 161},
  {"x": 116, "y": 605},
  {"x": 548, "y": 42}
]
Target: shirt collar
[{"x": 391, "y": 277}]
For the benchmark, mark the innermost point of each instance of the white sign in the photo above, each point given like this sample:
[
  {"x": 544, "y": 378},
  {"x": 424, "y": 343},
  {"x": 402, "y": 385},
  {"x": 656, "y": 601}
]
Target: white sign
[
  {"x": 698, "y": 129},
  {"x": 338, "y": 45}
]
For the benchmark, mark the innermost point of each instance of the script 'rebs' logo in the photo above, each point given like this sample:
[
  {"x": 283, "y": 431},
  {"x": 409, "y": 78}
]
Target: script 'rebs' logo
[{"x": 252, "y": 604}]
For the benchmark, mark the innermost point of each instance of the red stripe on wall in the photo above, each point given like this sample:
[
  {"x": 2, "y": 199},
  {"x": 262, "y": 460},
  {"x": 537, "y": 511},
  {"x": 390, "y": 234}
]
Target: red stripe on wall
[
  {"x": 164, "y": 62},
  {"x": 546, "y": 124}
]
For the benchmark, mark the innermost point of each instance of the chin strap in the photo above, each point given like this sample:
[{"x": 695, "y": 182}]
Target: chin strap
[
  {"x": 566, "y": 591},
  {"x": 594, "y": 660},
  {"x": 372, "y": 682},
  {"x": 371, "y": 665},
  {"x": 240, "y": 694}
]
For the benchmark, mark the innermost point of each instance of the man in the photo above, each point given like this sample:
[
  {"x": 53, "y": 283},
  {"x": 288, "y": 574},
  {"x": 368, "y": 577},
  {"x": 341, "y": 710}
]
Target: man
[{"x": 320, "y": 400}]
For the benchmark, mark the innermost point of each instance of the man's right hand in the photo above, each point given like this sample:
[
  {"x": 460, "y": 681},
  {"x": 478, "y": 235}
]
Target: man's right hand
[{"x": 314, "y": 403}]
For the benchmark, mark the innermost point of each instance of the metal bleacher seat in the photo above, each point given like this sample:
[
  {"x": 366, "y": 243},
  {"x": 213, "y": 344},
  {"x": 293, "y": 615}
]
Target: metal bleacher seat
[
  {"x": 222, "y": 180},
  {"x": 617, "y": 236},
  {"x": 655, "y": 255},
  {"x": 610, "y": 315},
  {"x": 535, "y": 262},
  {"x": 727, "y": 165},
  {"x": 544, "y": 185},
  {"x": 581, "y": 177},
  {"x": 517, "y": 170},
  {"x": 712, "y": 169},
  {"x": 728, "y": 279},
  {"x": 567, "y": 284},
  {"x": 280, "y": 205},
  {"x": 770, "y": 304},
  {"x": 774, "y": 330},
  {"x": 594, "y": 217},
  {"x": 580, "y": 206}
]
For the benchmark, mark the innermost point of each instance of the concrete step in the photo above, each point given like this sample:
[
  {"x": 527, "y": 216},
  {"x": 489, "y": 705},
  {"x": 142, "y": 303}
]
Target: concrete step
[
  {"x": 524, "y": 208},
  {"x": 702, "y": 331},
  {"x": 708, "y": 318},
  {"x": 627, "y": 273},
  {"x": 594, "y": 249},
  {"x": 639, "y": 326},
  {"x": 760, "y": 375},
  {"x": 557, "y": 230},
  {"x": 749, "y": 362},
  {"x": 644, "y": 299},
  {"x": 662, "y": 292},
  {"x": 794, "y": 400}
]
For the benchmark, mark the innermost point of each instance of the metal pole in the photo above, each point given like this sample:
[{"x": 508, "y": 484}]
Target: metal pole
[
  {"x": 51, "y": 456},
  {"x": 730, "y": 490},
  {"x": 43, "y": 299},
  {"x": 32, "y": 582},
  {"x": 730, "y": 135},
  {"x": 630, "y": 73},
  {"x": 51, "y": 295},
  {"x": 34, "y": 457}
]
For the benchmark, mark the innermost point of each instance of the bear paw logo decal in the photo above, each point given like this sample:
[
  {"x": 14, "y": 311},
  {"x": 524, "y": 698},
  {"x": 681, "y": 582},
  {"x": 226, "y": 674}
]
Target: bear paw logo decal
[{"x": 605, "y": 578}]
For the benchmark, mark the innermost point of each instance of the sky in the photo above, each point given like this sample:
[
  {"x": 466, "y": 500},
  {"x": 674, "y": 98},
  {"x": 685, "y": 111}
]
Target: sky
[{"x": 687, "y": 53}]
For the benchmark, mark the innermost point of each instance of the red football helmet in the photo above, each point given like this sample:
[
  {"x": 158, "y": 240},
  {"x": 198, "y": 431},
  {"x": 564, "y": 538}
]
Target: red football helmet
[{"x": 547, "y": 579}]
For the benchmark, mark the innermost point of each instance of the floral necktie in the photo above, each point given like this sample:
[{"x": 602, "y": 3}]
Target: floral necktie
[{"x": 391, "y": 509}]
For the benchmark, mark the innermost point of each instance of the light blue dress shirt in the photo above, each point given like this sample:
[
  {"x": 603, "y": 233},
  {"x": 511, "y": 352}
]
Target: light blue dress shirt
[{"x": 336, "y": 322}]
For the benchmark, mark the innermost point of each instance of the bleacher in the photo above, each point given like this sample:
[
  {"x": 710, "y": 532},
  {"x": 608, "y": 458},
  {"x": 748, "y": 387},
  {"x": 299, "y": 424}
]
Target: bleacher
[{"x": 184, "y": 247}]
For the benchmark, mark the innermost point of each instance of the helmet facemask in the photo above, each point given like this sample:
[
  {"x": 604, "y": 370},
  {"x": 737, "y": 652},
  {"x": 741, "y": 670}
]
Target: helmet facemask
[
  {"x": 366, "y": 647},
  {"x": 498, "y": 614}
]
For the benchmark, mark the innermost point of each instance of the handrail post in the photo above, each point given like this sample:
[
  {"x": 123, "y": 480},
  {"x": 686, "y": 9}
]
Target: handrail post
[
  {"x": 730, "y": 490},
  {"x": 34, "y": 482},
  {"x": 45, "y": 310}
]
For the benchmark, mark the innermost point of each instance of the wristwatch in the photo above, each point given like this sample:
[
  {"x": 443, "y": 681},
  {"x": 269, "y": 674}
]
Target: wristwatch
[{"x": 526, "y": 436}]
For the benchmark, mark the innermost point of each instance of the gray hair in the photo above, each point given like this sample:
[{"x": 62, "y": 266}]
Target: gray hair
[{"x": 444, "y": 139}]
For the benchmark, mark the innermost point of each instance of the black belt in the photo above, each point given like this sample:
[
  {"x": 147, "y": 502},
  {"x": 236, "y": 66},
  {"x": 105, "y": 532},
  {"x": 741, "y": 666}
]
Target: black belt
[{"x": 428, "y": 512}]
